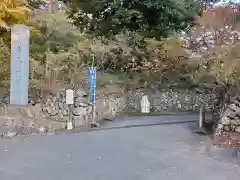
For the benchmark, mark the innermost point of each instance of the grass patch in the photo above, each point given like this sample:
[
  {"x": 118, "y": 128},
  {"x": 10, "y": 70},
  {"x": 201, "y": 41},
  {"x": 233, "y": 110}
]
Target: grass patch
[{"x": 109, "y": 83}]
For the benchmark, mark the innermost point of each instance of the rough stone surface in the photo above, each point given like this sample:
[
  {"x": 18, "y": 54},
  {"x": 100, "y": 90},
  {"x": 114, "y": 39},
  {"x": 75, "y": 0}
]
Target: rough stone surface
[
  {"x": 229, "y": 118},
  {"x": 52, "y": 113},
  {"x": 237, "y": 129},
  {"x": 172, "y": 101}
]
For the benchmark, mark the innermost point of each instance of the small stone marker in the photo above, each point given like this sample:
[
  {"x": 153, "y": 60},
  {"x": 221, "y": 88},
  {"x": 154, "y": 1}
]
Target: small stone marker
[
  {"x": 145, "y": 104},
  {"x": 70, "y": 102}
]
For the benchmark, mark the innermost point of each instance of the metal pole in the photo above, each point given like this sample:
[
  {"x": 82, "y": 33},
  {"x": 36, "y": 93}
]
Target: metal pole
[
  {"x": 94, "y": 114},
  {"x": 94, "y": 104},
  {"x": 92, "y": 83},
  {"x": 201, "y": 117}
]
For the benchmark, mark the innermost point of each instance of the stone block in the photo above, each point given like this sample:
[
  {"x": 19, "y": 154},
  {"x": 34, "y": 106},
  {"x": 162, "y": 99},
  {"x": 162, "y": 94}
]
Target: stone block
[
  {"x": 237, "y": 129},
  {"x": 234, "y": 107},
  {"x": 235, "y": 121},
  {"x": 226, "y": 128},
  {"x": 79, "y": 121},
  {"x": 225, "y": 120},
  {"x": 81, "y": 102},
  {"x": 230, "y": 113},
  {"x": 80, "y": 111}
]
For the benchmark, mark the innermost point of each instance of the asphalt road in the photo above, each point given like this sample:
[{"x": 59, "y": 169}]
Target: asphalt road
[{"x": 158, "y": 152}]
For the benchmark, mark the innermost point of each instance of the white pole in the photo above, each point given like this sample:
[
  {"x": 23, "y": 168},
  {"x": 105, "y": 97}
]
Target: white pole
[{"x": 69, "y": 122}]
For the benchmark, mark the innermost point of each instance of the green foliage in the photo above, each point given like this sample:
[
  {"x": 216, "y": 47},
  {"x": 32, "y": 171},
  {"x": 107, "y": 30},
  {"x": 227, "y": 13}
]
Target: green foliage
[
  {"x": 12, "y": 12},
  {"x": 57, "y": 34},
  {"x": 220, "y": 67},
  {"x": 4, "y": 63},
  {"x": 55, "y": 30},
  {"x": 36, "y": 3},
  {"x": 130, "y": 53},
  {"x": 151, "y": 18}
]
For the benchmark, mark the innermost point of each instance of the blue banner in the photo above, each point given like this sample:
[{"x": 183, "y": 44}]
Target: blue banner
[
  {"x": 19, "y": 65},
  {"x": 92, "y": 84}
]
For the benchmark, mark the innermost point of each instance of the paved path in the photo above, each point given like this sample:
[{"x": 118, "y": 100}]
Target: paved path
[{"x": 144, "y": 153}]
